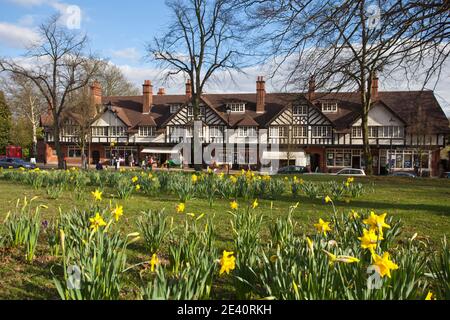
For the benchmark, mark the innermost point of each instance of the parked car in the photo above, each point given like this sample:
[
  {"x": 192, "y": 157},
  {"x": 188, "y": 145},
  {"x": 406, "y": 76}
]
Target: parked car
[
  {"x": 16, "y": 163},
  {"x": 351, "y": 172},
  {"x": 292, "y": 170},
  {"x": 404, "y": 174}
]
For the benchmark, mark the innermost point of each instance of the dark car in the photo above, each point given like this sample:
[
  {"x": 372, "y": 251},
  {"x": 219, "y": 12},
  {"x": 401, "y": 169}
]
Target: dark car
[
  {"x": 292, "y": 170},
  {"x": 15, "y": 163},
  {"x": 404, "y": 174}
]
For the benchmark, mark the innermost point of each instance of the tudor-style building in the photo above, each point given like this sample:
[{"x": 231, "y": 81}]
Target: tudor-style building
[{"x": 319, "y": 130}]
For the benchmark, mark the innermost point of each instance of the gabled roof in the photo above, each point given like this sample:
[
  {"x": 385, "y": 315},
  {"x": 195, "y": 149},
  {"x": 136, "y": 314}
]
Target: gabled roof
[{"x": 404, "y": 104}]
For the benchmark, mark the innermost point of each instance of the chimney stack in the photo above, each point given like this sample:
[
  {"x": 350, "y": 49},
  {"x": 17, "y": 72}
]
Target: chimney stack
[
  {"x": 260, "y": 95},
  {"x": 188, "y": 89},
  {"x": 375, "y": 87},
  {"x": 161, "y": 92},
  {"x": 96, "y": 93},
  {"x": 147, "y": 90},
  {"x": 312, "y": 88}
]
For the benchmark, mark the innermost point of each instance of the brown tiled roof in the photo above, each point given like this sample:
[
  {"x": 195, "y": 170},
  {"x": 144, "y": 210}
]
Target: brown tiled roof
[{"x": 404, "y": 104}]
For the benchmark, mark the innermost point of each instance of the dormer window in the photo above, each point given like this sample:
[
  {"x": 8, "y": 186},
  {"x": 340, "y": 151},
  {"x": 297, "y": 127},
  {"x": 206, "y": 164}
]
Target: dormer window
[
  {"x": 201, "y": 111},
  {"x": 236, "y": 107},
  {"x": 174, "y": 108},
  {"x": 329, "y": 106}
]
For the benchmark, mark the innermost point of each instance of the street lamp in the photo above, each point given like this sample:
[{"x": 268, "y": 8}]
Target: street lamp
[{"x": 228, "y": 110}]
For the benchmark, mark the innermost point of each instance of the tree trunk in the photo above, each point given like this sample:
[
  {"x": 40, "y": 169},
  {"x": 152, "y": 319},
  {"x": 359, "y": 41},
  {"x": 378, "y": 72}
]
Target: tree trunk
[
  {"x": 367, "y": 151},
  {"x": 34, "y": 132},
  {"x": 58, "y": 148}
]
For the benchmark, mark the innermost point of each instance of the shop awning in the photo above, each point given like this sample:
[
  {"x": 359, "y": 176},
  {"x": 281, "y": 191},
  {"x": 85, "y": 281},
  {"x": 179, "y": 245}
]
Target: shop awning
[{"x": 160, "y": 151}]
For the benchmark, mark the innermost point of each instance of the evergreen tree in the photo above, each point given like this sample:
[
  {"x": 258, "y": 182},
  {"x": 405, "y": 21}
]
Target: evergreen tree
[{"x": 5, "y": 124}]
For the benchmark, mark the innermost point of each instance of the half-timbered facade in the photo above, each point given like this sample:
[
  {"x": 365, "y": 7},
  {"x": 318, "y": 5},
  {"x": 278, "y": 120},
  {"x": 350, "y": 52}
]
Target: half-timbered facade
[{"x": 319, "y": 130}]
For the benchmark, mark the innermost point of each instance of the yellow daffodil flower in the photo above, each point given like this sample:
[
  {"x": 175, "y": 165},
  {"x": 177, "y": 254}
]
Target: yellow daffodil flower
[
  {"x": 430, "y": 296},
  {"x": 369, "y": 240},
  {"x": 255, "y": 204},
  {"x": 343, "y": 259},
  {"x": 97, "y": 195},
  {"x": 310, "y": 244},
  {"x": 376, "y": 222},
  {"x": 135, "y": 179},
  {"x": 154, "y": 262},
  {"x": 323, "y": 226},
  {"x": 383, "y": 264},
  {"x": 234, "y": 205},
  {"x": 97, "y": 222},
  {"x": 118, "y": 212},
  {"x": 227, "y": 262},
  {"x": 194, "y": 178},
  {"x": 328, "y": 199},
  {"x": 181, "y": 208},
  {"x": 138, "y": 187}
]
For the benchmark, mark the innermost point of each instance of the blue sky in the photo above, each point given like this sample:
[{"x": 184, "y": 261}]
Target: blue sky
[{"x": 118, "y": 30}]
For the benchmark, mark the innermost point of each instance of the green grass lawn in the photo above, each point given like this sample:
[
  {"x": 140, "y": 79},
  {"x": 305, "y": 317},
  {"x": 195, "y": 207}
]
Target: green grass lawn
[{"x": 422, "y": 205}]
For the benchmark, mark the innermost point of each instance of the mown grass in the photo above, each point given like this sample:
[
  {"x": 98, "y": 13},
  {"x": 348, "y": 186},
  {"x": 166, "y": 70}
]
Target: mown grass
[{"x": 422, "y": 205}]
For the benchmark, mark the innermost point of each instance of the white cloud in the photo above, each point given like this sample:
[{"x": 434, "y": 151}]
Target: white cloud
[
  {"x": 127, "y": 53},
  {"x": 26, "y": 20},
  {"x": 17, "y": 37},
  {"x": 29, "y": 3}
]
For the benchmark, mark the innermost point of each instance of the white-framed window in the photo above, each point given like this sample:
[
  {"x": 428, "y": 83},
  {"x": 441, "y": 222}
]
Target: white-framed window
[
  {"x": 278, "y": 132},
  {"x": 300, "y": 111},
  {"x": 236, "y": 107},
  {"x": 70, "y": 130},
  {"x": 118, "y": 131},
  {"x": 408, "y": 159},
  {"x": 216, "y": 132},
  {"x": 73, "y": 152},
  {"x": 174, "y": 108},
  {"x": 373, "y": 132},
  {"x": 391, "y": 132},
  {"x": 300, "y": 131},
  {"x": 356, "y": 132},
  {"x": 190, "y": 111},
  {"x": 244, "y": 132},
  {"x": 343, "y": 157},
  {"x": 146, "y": 131},
  {"x": 201, "y": 111},
  {"x": 321, "y": 132},
  {"x": 99, "y": 131},
  {"x": 329, "y": 106}
]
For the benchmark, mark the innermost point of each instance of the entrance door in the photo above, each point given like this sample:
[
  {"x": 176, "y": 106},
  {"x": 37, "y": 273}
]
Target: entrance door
[
  {"x": 95, "y": 157},
  {"x": 315, "y": 162},
  {"x": 356, "y": 162}
]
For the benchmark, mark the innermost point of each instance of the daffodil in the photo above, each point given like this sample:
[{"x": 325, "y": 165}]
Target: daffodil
[
  {"x": 343, "y": 259},
  {"x": 369, "y": 240},
  {"x": 181, "y": 208},
  {"x": 97, "y": 222},
  {"x": 97, "y": 195},
  {"x": 383, "y": 264},
  {"x": 310, "y": 245},
  {"x": 255, "y": 204},
  {"x": 194, "y": 178},
  {"x": 430, "y": 296},
  {"x": 154, "y": 262},
  {"x": 354, "y": 215},
  {"x": 328, "y": 199},
  {"x": 227, "y": 262},
  {"x": 135, "y": 179},
  {"x": 234, "y": 205},
  {"x": 138, "y": 187},
  {"x": 376, "y": 222},
  {"x": 233, "y": 179},
  {"x": 118, "y": 212},
  {"x": 323, "y": 226}
]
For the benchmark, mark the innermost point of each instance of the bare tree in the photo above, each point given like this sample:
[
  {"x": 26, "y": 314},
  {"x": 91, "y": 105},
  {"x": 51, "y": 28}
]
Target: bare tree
[
  {"x": 114, "y": 82},
  {"x": 345, "y": 43},
  {"x": 59, "y": 62},
  {"x": 201, "y": 41},
  {"x": 26, "y": 103}
]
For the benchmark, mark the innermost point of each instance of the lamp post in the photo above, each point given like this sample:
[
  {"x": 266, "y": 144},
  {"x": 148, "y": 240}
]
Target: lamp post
[{"x": 228, "y": 110}]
